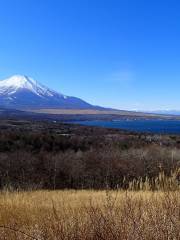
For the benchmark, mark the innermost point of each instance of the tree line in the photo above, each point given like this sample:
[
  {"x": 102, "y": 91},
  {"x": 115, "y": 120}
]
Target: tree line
[{"x": 82, "y": 160}]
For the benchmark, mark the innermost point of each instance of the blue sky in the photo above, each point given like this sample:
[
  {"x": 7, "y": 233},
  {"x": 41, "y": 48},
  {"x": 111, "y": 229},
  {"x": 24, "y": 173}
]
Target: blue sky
[{"x": 117, "y": 53}]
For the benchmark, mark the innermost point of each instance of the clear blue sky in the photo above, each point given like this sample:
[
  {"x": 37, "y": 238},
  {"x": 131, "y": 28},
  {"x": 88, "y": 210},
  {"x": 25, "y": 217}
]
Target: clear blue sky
[{"x": 116, "y": 53}]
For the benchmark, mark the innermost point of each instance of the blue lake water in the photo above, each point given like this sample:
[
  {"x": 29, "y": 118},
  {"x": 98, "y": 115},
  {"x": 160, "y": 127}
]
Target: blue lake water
[{"x": 151, "y": 126}]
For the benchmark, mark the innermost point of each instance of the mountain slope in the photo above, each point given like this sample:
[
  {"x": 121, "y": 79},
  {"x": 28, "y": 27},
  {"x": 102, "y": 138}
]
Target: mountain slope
[{"x": 24, "y": 92}]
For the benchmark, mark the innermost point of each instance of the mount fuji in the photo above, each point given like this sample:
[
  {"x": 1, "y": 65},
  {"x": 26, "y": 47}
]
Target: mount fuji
[{"x": 23, "y": 92}]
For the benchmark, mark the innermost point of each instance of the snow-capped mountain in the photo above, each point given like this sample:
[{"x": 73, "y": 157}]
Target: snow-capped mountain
[{"x": 24, "y": 92}]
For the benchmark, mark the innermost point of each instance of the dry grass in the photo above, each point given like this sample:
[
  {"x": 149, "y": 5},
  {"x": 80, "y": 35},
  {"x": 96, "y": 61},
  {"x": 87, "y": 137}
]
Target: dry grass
[
  {"x": 90, "y": 215},
  {"x": 97, "y": 112}
]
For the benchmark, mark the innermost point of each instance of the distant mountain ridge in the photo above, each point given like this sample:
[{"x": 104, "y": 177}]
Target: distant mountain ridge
[
  {"x": 24, "y": 92},
  {"x": 166, "y": 112}
]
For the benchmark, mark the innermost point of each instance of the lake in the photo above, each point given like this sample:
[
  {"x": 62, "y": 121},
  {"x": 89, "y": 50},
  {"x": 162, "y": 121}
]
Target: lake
[{"x": 150, "y": 126}]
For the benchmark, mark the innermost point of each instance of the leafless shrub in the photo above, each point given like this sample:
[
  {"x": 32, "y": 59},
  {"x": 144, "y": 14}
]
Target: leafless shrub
[{"x": 90, "y": 215}]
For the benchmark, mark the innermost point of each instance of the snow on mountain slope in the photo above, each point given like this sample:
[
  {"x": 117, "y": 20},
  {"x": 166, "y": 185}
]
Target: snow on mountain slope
[
  {"x": 11, "y": 85},
  {"x": 24, "y": 92}
]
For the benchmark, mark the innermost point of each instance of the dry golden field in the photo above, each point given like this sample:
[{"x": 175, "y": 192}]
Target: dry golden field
[
  {"x": 55, "y": 215},
  {"x": 97, "y": 112}
]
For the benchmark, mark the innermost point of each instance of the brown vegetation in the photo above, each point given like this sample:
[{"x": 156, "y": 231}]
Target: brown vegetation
[
  {"x": 58, "y": 156},
  {"x": 90, "y": 215},
  {"x": 112, "y": 113},
  {"x": 138, "y": 172}
]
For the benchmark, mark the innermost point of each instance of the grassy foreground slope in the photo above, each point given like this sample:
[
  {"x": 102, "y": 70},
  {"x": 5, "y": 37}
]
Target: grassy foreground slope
[{"x": 60, "y": 215}]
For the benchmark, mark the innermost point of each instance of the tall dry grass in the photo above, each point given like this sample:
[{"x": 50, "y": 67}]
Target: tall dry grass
[{"x": 85, "y": 215}]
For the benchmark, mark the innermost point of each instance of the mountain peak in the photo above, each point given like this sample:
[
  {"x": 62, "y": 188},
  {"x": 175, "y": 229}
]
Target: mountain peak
[
  {"x": 22, "y": 82},
  {"x": 19, "y": 77},
  {"x": 22, "y": 91},
  {"x": 18, "y": 81}
]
